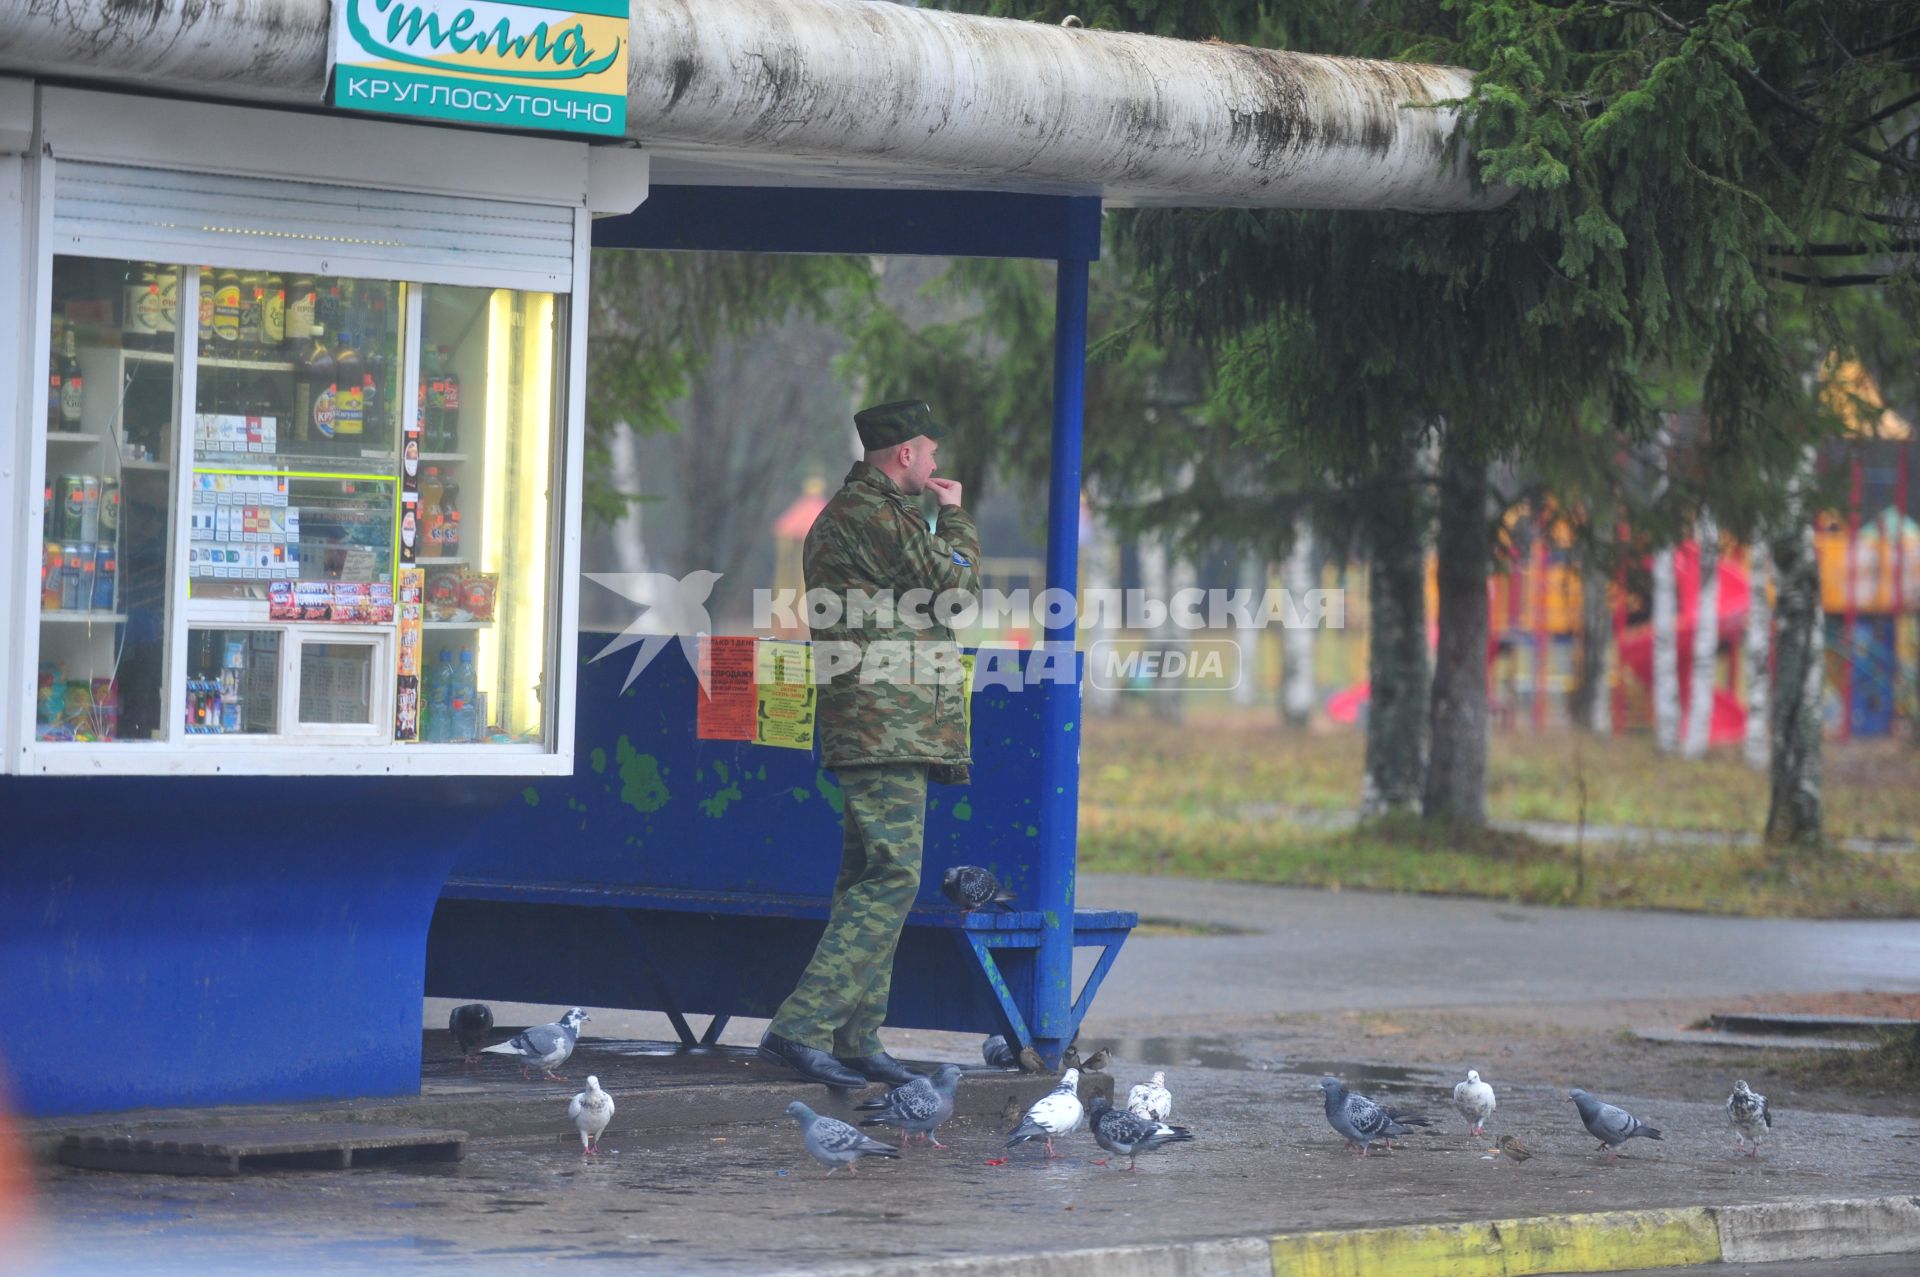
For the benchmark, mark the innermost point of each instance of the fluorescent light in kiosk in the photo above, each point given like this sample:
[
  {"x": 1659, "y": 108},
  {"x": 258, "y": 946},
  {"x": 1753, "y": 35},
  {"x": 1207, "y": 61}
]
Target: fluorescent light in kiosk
[{"x": 516, "y": 539}]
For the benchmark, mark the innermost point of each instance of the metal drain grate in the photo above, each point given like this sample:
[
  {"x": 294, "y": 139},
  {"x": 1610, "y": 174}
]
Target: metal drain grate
[{"x": 237, "y": 1150}]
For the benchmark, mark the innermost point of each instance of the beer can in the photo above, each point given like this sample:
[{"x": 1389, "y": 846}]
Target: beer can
[
  {"x": 87, "y": 567},
  {"x": 70, "y": 600},
  {"x": 88, "y": 486},
  {"x": 109, "y": 508},
  {"x": 52, "y": 571},
  {"x": 69, "y": 494},
  {"x": 105, "y": 568}
]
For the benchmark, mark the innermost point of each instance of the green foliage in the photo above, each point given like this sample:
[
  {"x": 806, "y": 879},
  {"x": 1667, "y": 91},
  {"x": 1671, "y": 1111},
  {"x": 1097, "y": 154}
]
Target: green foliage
[{"x": 655, "y": 320}]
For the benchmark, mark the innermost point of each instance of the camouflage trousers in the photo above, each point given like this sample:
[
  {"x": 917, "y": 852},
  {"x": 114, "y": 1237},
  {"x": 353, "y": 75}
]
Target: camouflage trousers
[{"x": 841, "y": 1000}]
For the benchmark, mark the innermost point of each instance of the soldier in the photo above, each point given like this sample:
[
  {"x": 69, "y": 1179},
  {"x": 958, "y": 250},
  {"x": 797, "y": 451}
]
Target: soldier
[{"x": 892, "y": 717}]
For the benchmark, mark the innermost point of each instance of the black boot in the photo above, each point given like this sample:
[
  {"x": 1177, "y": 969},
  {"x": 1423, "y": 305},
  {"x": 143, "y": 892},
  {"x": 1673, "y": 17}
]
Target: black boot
[
  {"x": 879, "y": 1067},
  {"x": 809, "y": 1062}
]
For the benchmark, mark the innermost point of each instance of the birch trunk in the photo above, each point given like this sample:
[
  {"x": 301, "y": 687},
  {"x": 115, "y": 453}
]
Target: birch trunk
[
  {"x": 1706, "y": 640},
  {"x": 1103, "y": 574},
  {"x": 1666, "y": 656},
  {"x": 1796, "y": 801},
  {"x": 1756, "y": 647},
  {"x": 1298, "y": 694},
  {"x": 1593, "y": 696},
  {"x": 1254, "y": 576}
]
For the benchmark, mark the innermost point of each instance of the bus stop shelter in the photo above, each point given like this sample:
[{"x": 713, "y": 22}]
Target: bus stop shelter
[{"x": 252, "y": 930}]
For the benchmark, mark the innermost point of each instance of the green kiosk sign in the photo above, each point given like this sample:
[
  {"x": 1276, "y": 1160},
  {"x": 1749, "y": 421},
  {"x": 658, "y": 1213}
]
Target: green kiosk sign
[{"x": 553, "y": 65}]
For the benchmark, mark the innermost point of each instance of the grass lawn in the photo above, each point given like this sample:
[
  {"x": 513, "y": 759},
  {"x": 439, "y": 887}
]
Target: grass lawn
[{"x": 1231, "y": 795}]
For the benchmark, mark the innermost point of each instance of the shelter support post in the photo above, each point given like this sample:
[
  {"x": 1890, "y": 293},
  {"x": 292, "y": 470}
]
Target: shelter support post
[{"x": 1054, "y": 1021}]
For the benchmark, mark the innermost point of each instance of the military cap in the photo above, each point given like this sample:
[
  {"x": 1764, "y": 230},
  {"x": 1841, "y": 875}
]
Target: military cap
[{"x": 885, "y": 425}]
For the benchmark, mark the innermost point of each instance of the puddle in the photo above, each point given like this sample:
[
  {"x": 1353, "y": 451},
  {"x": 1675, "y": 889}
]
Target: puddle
[{"x": 1221, "y": 1053}]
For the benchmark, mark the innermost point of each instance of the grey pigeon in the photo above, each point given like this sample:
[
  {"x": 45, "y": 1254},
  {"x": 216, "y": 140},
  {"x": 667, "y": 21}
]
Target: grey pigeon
[
  {"x": 1122, "y": 1132},
  {"x": 470, "y": 1025},
  {"x": 1055, "y": 1113},
  {"x": 972, "y": 887},
  {"x": 1752, "y": 1119},
  {"x": 833, "y": 1143},
  {"x": 1362, "y": 1121},
  {"x": 591, "y": 1110},
  {"x": 916, "y": 1107},
  {"x": 999, "y": 1053},
  {"x": 1611, "y": 1126},
  {"x": 545, "y": 1046}
]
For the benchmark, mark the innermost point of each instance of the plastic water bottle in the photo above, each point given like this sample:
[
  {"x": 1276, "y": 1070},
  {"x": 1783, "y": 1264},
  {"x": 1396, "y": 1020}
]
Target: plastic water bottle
[
  {"x": 440, "y": 701},
  {"x": 466, "y": 712}
]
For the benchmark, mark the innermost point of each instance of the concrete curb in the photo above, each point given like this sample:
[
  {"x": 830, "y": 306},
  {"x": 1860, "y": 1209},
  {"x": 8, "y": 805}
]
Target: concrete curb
[{"x": 1607, "y": 1241}]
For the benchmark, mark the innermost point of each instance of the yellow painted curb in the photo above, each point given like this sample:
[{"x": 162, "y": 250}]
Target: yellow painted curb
[{"x": 1605, "y": 1242}]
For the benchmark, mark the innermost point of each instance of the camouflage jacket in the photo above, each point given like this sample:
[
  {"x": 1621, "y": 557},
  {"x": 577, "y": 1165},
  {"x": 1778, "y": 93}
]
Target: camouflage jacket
[{"x": 892, "y": 689}]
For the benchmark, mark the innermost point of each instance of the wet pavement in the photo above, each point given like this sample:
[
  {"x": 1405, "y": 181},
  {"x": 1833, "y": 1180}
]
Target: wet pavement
[{"x": 701, "y": 1171}]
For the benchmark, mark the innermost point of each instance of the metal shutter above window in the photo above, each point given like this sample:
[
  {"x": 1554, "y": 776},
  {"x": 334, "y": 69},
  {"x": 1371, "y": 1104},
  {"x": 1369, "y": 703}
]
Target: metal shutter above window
[{"x": 166, "y": 214}]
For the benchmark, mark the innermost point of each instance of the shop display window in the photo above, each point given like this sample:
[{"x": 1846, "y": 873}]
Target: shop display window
[{"x": 245, "y": 533}]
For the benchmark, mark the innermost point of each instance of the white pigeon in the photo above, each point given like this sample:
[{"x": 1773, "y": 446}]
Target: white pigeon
[
  {"x": 1752, "y": 1119},
  {"x": 1474, "y": 1099},
  {"x": 1151, "y": 1100},
  {"x": 545, "y": 1046},
  {"x": 1055, "y": 1113},
  {"x": 591, "y": 1110}
]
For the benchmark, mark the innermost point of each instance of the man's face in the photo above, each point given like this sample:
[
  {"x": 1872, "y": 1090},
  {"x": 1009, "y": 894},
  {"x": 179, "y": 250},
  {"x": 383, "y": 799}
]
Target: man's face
[{"x": 921, "y": 463}]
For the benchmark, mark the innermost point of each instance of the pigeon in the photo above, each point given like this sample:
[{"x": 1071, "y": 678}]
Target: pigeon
[
  {"x": 1097, "y": 1062},
  {"x": 1475, "y": 1101},
  {"x": 1512, "y": 1147},
  {"x": 833, "y": 1143},
  {"x": 916, "y": 1107},
  {"x": 1151, "y": 1100},
  {"x": 1119, "y": 1132},
  {"x": 1611, "y": 1126},
  {"x": 1751, "y": 1117},
  {"x": 545, "y": 1046},
  {"x": 591, "y": 1110},
  {"x": 1055, "y": 1113},
  {"x": 998, "y": 1053},
  {"x": 1362, "y": 1121},
  {"x": 972, "y": 887},
  {"x": 470, "y": 1025}
]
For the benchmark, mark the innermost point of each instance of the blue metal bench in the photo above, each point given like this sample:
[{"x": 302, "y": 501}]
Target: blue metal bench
[{"x": 688, "y": 876}]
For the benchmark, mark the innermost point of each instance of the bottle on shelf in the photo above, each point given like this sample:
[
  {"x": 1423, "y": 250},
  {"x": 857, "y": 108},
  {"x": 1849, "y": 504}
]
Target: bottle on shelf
[
  {"x": 73, "y": 387},
  {"x": 273, "y": 316},
  {"x": 449, "y": 404},
  {"x": 207, "y": 289},
  {"x": 466, "y": 710},
  {"x": 301, "y": 301},
  {"x": 253, "y": 300},
  {"x": 227, "y": 305},
  {"x": 54, "y": 379},
  {"x": 449, "y": 539},
  {"x": 439, "y": 724},
  {"x": 313, "y": 389},
  {"x": 349, "y": 404},
  {"x": 432, "y": 514}
]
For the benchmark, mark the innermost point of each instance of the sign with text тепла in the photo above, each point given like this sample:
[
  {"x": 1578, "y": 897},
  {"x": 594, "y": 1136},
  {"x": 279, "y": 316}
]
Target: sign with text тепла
[{"x": 553, "y": 65}]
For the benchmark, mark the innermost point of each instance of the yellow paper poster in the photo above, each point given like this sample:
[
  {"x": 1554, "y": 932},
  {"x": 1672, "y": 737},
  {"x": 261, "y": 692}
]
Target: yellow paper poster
[
  {"x": 966, "y": 694},
  {"x": 785, "y": 697}
]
